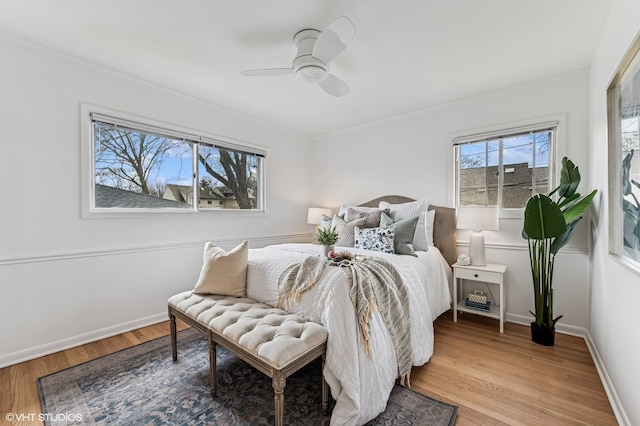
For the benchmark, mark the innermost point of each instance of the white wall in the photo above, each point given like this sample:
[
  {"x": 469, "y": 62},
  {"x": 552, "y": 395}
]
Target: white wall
[
  {"x": 65, "y": 280},
  {"x": 412, "y": 155},
  {"x": 616, "y": 289}
]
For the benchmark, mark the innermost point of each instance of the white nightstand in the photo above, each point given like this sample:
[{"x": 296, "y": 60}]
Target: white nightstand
[{"x": 491, "y": 274}]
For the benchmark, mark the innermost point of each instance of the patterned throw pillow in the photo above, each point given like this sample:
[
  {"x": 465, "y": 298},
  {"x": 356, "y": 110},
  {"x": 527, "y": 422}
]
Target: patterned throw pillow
[{"x": 375, "y": 239}]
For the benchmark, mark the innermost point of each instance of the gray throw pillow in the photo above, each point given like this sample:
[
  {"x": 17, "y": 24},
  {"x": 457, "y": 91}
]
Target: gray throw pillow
[
  {"x": 405, "y": 230},
  {"x": 409, "y": 210},
  {"x": 373, "y": 216},
  {"x": 346, "y": 230}
]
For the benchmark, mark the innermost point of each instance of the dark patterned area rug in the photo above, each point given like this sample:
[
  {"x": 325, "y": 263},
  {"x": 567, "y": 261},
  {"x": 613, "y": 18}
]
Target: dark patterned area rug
[{"x": 141, "y": 385}]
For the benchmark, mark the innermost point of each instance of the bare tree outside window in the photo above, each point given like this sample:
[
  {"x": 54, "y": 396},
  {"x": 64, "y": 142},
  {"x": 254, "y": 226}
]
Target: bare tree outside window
[
  {"x": 138, "y": 162},
  {"x": 233, "y": 171},
  {"x": 136, "y": 169}
]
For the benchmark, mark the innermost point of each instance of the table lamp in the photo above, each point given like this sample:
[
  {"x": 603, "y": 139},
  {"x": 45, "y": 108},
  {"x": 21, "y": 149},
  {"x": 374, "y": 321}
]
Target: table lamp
[
  {"x": 314, "y": 215},
  {"x": 477, "y": 219}
]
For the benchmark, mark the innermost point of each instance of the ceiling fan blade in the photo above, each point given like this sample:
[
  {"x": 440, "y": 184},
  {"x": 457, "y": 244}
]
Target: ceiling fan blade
[
  {"x": 267, "y": 72},
  {"x": 334, "y": 39},
  {"x": 334, "y": 86}
]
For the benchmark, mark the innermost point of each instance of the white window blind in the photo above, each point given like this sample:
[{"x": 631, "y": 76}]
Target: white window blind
[
  {"x": 505, "y": 133},
  {"x": 173, "y": 133}
]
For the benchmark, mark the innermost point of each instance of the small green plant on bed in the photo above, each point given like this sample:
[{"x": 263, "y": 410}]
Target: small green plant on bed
[{"x": 326, "y": 236}]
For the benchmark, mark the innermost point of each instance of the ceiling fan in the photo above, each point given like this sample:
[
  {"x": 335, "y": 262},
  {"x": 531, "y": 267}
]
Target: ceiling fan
[{"x": 315, "y": 50}]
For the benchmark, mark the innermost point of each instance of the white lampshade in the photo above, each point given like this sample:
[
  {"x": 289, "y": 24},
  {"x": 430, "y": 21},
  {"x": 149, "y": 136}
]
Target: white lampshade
[
  {"x": 314, "y": 215},
  {"x": 478, "y": 219}
]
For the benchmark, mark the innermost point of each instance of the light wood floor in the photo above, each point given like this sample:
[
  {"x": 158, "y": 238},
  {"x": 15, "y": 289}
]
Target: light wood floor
[{"x": 495, "y": 379}]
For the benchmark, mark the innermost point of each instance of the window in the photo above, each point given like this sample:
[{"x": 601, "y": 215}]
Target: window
[
  {"x": 630, "y": 173},
  {"x": 504, "y": 168},
  {"x": 138, "y": 167},
  {"x": 623, "y": 103}
]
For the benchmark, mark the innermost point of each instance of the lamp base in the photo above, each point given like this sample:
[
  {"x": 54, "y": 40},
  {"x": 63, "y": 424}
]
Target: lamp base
[{"x": 476, "y": 248}]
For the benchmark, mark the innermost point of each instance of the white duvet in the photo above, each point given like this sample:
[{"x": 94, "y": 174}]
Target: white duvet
[{"x": 360, "y": 385}]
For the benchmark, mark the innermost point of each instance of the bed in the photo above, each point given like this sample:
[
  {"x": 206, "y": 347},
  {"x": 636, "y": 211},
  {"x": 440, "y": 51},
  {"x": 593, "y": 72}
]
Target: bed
[{"x": 361, "y": 384}]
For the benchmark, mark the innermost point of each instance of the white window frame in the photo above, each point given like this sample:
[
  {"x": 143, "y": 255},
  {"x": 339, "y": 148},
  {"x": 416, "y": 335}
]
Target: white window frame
[
  {"x": 89, "y": 210},
  {"x": 557, "y": 150}
]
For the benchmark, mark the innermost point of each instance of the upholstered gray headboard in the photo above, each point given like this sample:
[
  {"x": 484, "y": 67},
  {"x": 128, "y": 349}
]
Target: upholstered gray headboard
[{"x": 444, "y": 227}]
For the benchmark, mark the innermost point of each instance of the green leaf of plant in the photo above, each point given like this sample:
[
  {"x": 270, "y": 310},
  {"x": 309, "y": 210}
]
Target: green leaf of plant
[
  {"x": 569, "y": 179},
  {"x": 574, "y": 175},
  {"x": 563, "y": 239},
  {"x": 574, "y": 212},
  {"x": 543, "y": 218},
  {"x": 569, "y": 200},
  {"x": 326, "y": 237}
]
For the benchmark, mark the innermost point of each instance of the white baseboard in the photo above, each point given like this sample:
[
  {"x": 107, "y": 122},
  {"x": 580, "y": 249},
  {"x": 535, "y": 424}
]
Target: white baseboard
[
  {"x": 616, "y": 405},
  {"x": 70, "y": 342},
  {"x": 571, "y": 330}
]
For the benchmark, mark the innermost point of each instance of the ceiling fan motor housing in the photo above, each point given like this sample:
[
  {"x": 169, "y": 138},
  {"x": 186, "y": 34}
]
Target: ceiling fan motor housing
[
  {"x": 305, "y": 66},
  {"x": 315, "y": 49}
]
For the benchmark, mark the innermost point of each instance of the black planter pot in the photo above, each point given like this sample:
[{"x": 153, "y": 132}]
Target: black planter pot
[{"x": 543, "y": 335}]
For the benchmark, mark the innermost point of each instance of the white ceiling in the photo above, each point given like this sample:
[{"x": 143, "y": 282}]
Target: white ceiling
[{"x": 406, "y": 55}]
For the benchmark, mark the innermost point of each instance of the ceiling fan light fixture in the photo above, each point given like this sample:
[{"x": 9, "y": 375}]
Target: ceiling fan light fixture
[{"x": 311, "y": 73}]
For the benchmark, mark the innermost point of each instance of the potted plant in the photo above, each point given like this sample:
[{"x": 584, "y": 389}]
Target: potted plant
[
  {"x": 548, "y": 226},
  {"x": 327, "y": 237}
]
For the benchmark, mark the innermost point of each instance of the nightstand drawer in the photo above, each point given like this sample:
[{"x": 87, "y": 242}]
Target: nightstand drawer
[{"x": 477, "y": 275}]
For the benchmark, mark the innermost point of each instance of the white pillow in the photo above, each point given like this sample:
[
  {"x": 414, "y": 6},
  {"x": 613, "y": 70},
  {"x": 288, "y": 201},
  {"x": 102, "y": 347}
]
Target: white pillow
[
  {"x": 222, "y": 272},
  {"x": 431, "y": 216},
  {"x": 408, "y": 210}
]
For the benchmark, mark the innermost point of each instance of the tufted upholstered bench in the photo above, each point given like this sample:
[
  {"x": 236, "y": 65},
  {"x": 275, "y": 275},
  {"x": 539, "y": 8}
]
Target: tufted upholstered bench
[{"x": 273, "y": 341}]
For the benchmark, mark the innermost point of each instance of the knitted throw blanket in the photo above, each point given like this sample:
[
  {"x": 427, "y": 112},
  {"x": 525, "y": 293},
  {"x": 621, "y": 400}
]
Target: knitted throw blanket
[
  {"x": 298, "y": 278},
  {"x": 374, "y": 284}
]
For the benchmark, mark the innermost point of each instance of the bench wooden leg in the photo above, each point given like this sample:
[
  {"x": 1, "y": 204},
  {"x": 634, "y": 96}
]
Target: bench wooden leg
[
  {"x": 212, "y": 366},
  {"x": 174, "y": 342},
  {"x": 279, "y": 381},
  {"x": 325, "y": 391}
]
